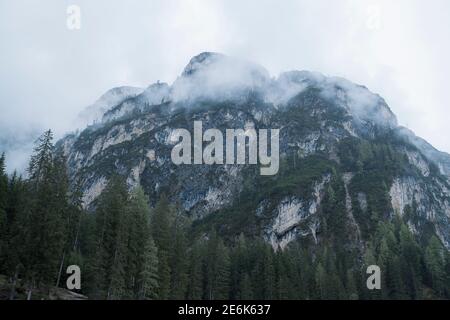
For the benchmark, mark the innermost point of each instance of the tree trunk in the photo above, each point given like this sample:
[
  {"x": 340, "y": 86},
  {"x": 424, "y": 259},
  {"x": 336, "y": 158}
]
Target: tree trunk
[
  {"x": 60, "y": 268},
  {"x": 30, "y": 291},
  {"x": 75, "y": 242},
  {"x": 30, "y": 288},
  {"x": 12, "y": 293}
]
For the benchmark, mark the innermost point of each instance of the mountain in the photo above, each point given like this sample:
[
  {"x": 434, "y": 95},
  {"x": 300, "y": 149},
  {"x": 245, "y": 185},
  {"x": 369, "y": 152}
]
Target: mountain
[
  {"x": 109, "y": 99},
  {"x": 337, "y": 141}
]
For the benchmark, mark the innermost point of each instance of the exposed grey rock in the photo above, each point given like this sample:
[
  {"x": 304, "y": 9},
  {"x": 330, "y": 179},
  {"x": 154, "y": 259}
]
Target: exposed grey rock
[{"x": 314, "y": 114}]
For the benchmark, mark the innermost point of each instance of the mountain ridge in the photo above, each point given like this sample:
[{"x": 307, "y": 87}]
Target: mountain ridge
[{"x": 343, "y": 126}]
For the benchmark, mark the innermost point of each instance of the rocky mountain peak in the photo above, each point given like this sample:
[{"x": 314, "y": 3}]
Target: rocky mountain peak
[
  {"x": 200, "y": 61},
  {"x": 215, "y": 76},
  {"x": 108, "y": 100},
  {"x": 331, "y": 131},
  {"x": 218, "y": 62}
]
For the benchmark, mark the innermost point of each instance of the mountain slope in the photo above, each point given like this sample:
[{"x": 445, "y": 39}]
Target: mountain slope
[{"x": 339, "y": 143}]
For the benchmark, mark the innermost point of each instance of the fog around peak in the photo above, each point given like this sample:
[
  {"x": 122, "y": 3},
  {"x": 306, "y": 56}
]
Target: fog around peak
[
  {"x": 398, "y": 49},
  {"x": 217, "y": 76}
]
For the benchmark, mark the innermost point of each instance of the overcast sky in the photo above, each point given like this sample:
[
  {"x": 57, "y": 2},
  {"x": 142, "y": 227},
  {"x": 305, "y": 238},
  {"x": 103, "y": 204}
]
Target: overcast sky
[{"x": 48, "y": 73}]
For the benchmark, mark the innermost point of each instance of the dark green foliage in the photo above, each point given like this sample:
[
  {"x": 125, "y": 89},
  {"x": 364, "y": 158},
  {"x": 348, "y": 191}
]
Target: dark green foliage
[
  {"x": 141, "y": 254},
  {"x": 124, "y": 264},
  {"x": 111, "y": 240},
  {"x": 195, "y": 272},
  {"x": 217, "y": 270},
  {"x": 127, "y": 250},
  {"x": 435, "y": 256},
  {"x": 14, "y": 253},
  {"x": 3, "y": 215},
  {"x": 161, "y": 231},
  {"x": 46, "y": 213},
  {"x": 178, "y": 258},
  {"x": 240, "y": 217},
  {"x": 37, "y": 212},
  {"x": 148, "y": 285}
]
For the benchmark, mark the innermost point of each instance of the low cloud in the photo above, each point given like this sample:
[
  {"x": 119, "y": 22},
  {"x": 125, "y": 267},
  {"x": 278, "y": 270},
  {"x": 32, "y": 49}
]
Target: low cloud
[{"x": 398, "y": 49}]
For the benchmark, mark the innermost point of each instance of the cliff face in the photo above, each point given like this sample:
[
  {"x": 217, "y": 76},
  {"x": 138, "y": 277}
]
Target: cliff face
[{"x": 336, "y": 138}]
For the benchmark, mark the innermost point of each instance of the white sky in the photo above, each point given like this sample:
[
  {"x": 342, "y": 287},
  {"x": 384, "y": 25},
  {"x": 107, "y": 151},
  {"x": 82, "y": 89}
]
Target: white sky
[{"x": 48, "y": 74}]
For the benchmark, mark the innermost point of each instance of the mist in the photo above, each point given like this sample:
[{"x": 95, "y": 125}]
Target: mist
[{"x": 49, "y": 74}]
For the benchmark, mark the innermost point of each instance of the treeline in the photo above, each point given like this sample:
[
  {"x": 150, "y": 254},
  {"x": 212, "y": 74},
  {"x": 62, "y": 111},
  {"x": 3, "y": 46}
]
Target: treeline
[
  {"x": 127, "y": 250},
  {"x": 39, "y": 221}
]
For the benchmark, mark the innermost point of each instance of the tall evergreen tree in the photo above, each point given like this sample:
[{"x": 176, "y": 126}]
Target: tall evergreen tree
[
  {"x": 111, "y": 237},
  {"x": 16, "y": 247},
  {"x": 263, "y": 273},
  {"x": 161, "y": 232},
  {"x": 72, "y": 254},
  {"x": 321, "y": 282},
  {"x": 195, "y": 272},
  {"x": 221, "y": 286},
  {"x": 410, "y": 263},
  {"x": 217, "y": 269},
  {"x": 3, "y": 215},
  {"x": 240, "y": 278},
  {"x": 46, "y": 214},
  {"x": 149, "y": 272},
  {"x": 352, "y": 290},
  {"x": 141, "y": 262},
  {"x": 178, "y": 258},
  {"x": 435, "y": 263}
]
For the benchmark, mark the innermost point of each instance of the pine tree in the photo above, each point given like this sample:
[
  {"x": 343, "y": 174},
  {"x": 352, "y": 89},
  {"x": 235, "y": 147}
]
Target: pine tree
[
  {"x": 246, "y": 291},
  {"x": 410, "y": 262},
  {"x": 217, "y": 269},
  {"x": 264, "y": 273},
  {"x": 320, "y": 280},
  {"x": 111, "y": 237},
  {"x": 352, "y": 290},
  {"x": 178, "y": 259},
  {"x": 64, "y": 210},
  {"x": 334, "y": 286},
  {"x": 306, "y": 268},
  {"x": 394, "y": 278},
  {"x": 16, "y": 247},
  {"x": 435, "y": 263},
  {"x": 240, "y": 279},
  {"x": 210, "y": 265},
  {"x": 128, "y": 251},
  {"x": 3, "y": 215},
  {"x": 160, "y": 230},
  {"x": 195, "y": 275},
  {"x": 138, "y": 240},
  {"x": 283, "y": 281},
  {"x": 221, "y": 287},
  {"x": 41, "y": 161},
  {"x": 388, "y": 261},
  {"x": 76, "y": 216},
  {"x": 87, "y": 246},
  {"x": 47, "y": 210},
  {"x": 141, "y": 269},
  {"x": 149, "y": 273},
  {"x": 72, "y": 254}
]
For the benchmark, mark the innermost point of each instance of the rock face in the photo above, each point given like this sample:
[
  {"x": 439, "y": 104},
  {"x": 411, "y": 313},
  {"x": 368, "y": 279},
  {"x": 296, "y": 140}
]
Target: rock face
[
  {"x": 332, "y": 132},
  {"x": 113, "y": 97}
]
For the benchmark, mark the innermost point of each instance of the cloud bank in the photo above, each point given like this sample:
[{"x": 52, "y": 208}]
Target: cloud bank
[{"x": 49, "y": 74}]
